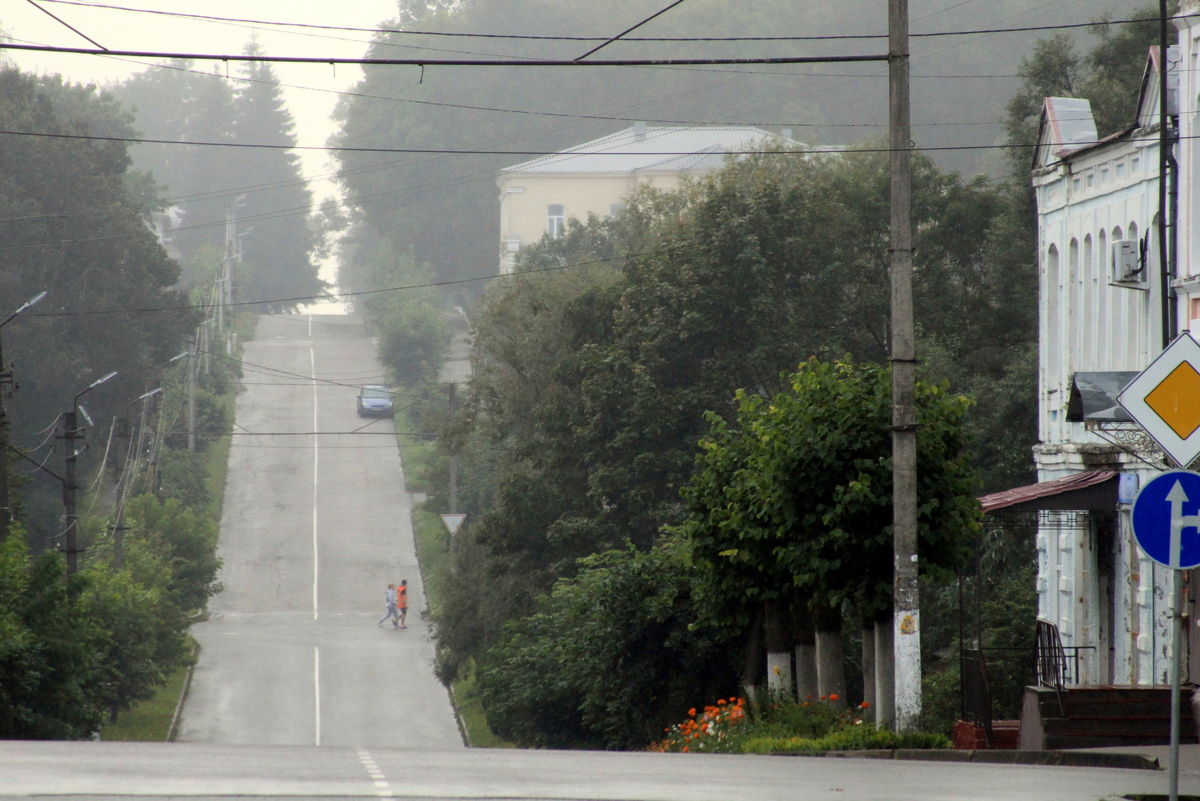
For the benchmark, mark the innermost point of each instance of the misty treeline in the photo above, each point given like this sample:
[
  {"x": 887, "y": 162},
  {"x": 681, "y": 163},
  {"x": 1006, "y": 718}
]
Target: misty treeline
[
  {"x": 281, "y": 235},
  {"x": 577, "y": 598},
  {"x": 442, "y": 209},
  {"x": 74, "y": 222}
]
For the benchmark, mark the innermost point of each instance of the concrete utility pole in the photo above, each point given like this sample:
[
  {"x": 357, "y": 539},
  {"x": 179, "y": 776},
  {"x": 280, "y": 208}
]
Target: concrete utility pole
[
  {"x": 70, "y": 433},
  {"x": 907, "y": 619},
  {"x": 6, "y": 380},
  {"x": 191, "y": 396}
]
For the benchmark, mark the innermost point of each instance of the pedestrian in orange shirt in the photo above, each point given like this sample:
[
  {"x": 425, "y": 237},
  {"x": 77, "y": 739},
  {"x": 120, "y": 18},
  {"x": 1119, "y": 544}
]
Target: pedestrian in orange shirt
[{"x": 402, "y": 601}]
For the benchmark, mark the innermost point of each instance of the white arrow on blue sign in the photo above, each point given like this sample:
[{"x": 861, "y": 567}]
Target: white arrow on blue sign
[{"x": 1166, "y": 519}]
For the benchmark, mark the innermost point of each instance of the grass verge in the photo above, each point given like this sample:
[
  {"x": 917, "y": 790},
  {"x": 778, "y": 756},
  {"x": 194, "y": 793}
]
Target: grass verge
[
  {"x": 433, "y": 550},
  {"x": 149, "y": 721}
]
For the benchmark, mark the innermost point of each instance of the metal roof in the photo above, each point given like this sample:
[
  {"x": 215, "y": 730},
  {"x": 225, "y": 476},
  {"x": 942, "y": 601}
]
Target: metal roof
[
  {"x": 667, "y": 149},
  {"x": 1067, "y": 485}
]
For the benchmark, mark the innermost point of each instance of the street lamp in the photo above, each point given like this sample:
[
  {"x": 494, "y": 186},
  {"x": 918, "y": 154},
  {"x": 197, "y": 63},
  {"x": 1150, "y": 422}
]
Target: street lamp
[
  {"x": 6, "y": 378},
  {"x": 70, "y": 427}
]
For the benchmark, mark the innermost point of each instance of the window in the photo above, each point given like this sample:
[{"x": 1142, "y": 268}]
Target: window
[
  {"x": 556, "y": 221},
  {"x": 1103, "y": 176},
  {"x": 1135, "y": 164},
  {"x": 1075, "y": 185},
  {"x": 1091, "y": 180},
  {"x": 1120, "y": 168}
]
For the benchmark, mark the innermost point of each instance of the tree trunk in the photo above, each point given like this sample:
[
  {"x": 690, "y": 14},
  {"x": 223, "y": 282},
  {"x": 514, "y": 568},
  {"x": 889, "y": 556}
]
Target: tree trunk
[
  {"x": 868, "y": 669},
  {"x": 831, "y": 668},
  {"x": 885, "y": 671},
  {"x": 753, "y": 670},
  {"x": 805, "y": 635},
  {"x": 779, "y": 648}
]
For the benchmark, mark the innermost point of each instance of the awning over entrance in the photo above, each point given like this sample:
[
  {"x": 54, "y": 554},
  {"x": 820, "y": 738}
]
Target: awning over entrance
[{"x": 1091, "y": 490}]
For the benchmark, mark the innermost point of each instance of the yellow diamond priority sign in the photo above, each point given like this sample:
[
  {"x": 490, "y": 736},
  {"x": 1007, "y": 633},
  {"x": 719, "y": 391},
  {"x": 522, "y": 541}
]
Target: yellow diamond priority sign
[{"x": 1165, "y": 400}]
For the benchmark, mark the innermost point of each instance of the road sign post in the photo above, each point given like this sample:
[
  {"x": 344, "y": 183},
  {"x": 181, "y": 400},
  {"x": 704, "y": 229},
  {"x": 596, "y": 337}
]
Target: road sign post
[
  {"x": 1165, "y": 401},
  {"x": 1166, "y": 523}
]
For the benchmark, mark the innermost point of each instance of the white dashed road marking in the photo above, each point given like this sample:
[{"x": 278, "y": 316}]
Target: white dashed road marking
[{"x": 382, "y": 788}]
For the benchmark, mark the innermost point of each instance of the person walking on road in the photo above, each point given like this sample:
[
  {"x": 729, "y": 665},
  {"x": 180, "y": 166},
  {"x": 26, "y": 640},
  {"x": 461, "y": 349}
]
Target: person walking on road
[
  {"x": 390, "y": 597},
  {"x": 402, "y": 601}
]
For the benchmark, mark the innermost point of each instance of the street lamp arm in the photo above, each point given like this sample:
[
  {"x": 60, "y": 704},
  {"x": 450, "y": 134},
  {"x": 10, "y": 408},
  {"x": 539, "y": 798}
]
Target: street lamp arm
[
  {"x": 94, "y": 384},
  {"x": 28, "y": 303}
]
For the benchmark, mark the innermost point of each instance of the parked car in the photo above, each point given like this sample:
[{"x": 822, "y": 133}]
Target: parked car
[{"x": 374, "y": 401}]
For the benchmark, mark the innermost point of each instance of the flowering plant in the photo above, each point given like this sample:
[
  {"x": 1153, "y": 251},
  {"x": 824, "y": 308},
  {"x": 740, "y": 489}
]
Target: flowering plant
[{"x": 705, "y": 731}]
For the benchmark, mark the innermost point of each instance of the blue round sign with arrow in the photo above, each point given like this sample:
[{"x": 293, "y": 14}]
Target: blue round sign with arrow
[{"x": 1166, "y": 519}]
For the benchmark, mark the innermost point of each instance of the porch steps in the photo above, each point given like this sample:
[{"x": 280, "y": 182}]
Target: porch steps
[{"x": 1097, "y": 716}]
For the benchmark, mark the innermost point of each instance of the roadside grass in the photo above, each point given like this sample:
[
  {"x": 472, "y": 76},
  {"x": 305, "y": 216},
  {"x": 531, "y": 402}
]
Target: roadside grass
[
  {"x": 418, "y": 456},
  {"x": 433, "y": 552},
  {"x": 470, "y": 709},
  {"x": 149, "y": 721}
]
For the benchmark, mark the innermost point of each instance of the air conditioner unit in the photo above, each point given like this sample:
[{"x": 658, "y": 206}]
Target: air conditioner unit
[{"x": 1125, "y": 261}]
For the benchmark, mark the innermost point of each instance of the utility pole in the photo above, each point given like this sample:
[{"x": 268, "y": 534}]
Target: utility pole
[
  {"x": 6, "y": 380},
  {"x": 191, "y": 397},
  {"x": 69, "y": 487},
  {"x": 906, "y": 619},
  {"x": 453, "y": 459},
  {"x": 70, "y": 433}
]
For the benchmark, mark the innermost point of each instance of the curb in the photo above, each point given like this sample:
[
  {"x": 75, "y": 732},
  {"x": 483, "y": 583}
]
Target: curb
[
  {"x": 1070, "y": 759},
  {"x": 187, "y": 685}
]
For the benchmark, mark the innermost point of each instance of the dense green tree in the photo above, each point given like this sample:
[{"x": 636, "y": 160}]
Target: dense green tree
[
  {"x": 46, "y": 657},
  {"x": 797, "y": 494},
  {"x": 73, "y": 222},
  {"x": 266, "y": 189},
  {"x": 610, "y": 657}
]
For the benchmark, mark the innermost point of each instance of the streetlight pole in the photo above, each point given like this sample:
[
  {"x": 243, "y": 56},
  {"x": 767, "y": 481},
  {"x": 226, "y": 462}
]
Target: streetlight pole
[
  {"x": 6, "y": 379},
  {"x": 70, "y": 429}
]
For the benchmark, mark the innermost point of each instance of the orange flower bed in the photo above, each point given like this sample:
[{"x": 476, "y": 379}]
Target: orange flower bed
[{"x": 702, "y": 732}]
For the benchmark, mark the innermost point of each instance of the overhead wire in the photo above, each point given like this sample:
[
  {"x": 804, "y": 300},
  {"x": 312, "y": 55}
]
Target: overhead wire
[{"x": 569, "y": 38}]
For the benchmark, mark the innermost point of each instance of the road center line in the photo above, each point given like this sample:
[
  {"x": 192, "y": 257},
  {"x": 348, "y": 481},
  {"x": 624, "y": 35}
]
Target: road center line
[
  {"x": 317, "y": 692},
  {"x": 312, "y": 360}
]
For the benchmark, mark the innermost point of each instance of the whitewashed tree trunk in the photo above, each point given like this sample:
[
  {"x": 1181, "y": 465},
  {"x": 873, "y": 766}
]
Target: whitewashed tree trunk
[
  {"x": 885, "y": 672},
  {"x": 831, "y": 667},
  {"x": 805, "y": 636},
  {"x": 779, "y": 648},
  {"x": 868, "y": 669}
]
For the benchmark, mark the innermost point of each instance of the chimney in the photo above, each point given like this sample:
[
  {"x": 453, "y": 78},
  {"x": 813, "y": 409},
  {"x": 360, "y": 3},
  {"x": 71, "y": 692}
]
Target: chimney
[{"x": 639, "y": 130}]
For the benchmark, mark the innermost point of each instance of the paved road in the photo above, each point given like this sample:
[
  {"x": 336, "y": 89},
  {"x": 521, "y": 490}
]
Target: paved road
[
  {"x": 313, "y": 529},
  {"x": 121, "y": 770}
]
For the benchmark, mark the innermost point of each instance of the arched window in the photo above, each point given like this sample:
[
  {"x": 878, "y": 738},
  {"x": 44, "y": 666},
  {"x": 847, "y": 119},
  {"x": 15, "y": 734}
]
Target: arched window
[
  {"x": 1052, "y": 341},
  {"x": 1089, "y": 295},
  {"x": 1103, "y": 300},
  {"x": 1074, "y": 311}
]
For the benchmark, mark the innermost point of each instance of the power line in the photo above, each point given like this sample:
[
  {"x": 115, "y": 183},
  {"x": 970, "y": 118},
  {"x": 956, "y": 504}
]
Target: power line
[
  {"x": 340, "y": 295},
  {"x": 65, "y": 24},
  {"x": 513, "y": 61},
  {"x": 567, "y": 38},
  {"x": 630, "y": 29}
]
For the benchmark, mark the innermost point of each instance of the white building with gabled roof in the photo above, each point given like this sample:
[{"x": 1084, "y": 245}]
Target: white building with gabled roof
[
  {"x": 537, "y": 197},
  {"x": 1102, "y": 319}
]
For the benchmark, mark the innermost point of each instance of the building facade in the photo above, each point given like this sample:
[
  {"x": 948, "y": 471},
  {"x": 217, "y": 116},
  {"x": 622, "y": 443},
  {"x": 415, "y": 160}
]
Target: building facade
[
  {"x": 538, "y": 197},
  {"x": 1110, "y": 297}
]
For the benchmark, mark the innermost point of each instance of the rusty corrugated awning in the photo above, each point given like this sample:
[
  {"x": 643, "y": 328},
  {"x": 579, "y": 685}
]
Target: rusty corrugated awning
[{"x": 1091, "y": 490}]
